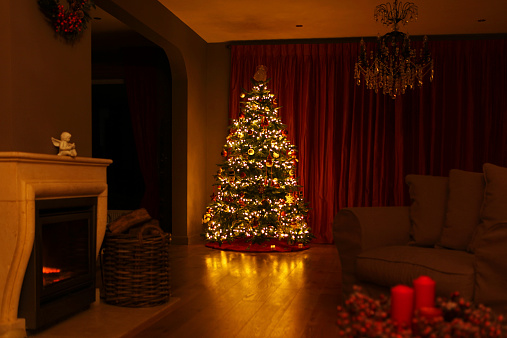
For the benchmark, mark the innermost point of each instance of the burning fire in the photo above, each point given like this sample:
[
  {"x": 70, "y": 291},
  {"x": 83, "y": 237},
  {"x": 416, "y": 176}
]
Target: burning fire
[{"x": 45, "y": 269}]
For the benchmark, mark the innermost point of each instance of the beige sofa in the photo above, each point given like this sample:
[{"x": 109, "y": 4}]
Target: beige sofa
[{"x": 455, "y": 231}]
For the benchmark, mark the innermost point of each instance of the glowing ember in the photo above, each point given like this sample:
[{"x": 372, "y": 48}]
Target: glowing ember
[{"x": 45, "y": 269}]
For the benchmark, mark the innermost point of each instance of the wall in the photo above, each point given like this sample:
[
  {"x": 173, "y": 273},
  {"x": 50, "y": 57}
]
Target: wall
[
  {"x": 46, "y": 89},
  {"x": 217, "y": 119},
  {"x": 45, "y": 83},
  {"x": 5, "y": 75}
]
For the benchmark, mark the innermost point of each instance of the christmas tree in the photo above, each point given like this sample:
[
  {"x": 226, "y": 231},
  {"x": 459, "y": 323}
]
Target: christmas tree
[{"x": 257, "y": 193}]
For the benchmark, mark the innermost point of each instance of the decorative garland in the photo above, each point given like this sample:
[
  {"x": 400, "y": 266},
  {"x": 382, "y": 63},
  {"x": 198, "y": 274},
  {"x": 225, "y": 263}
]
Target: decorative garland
[
  {"x": 70, "y": 22},
  {"x": 362, "y": 316}
]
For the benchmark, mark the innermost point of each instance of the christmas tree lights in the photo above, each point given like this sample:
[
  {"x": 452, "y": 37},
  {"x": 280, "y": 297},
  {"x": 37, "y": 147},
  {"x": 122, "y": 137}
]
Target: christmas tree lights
[{"x": 257, "y": 193}]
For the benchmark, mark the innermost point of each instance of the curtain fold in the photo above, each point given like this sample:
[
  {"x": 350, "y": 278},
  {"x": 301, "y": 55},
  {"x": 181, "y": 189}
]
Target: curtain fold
[
  {"x": 141, "y": 80},
  {"x": 355, "y": 146}
]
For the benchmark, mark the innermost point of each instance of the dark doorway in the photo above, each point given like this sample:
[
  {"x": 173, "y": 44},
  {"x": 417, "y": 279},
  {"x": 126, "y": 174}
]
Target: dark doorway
[
  {"x": 113, "y": 138},
  {"x": 114, "y": 52}
]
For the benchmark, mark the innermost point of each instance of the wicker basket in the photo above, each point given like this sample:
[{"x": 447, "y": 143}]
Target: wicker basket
[{"x": 135, "y": 269}]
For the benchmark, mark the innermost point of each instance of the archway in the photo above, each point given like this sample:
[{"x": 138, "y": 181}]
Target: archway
[{"x": 173, "y": 185}]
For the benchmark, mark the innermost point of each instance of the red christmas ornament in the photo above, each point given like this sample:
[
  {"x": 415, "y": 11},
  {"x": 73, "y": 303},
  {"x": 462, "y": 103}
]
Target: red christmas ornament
[
  {"x": 224, "y": 153},
  {"x": 269, "y": 161},
  {"x": 264, "y": 123}
]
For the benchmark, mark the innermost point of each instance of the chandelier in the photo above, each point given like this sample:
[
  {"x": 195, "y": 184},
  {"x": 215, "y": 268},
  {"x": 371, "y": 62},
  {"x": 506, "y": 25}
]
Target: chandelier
[{"x": 394, "y": 66}]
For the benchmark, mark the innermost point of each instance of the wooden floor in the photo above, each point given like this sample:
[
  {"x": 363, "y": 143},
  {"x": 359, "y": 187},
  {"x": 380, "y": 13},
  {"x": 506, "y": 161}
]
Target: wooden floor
[{"x": 232, "y": 294}]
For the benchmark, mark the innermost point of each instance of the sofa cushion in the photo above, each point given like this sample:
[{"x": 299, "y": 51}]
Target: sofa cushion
[
  {"x": 427, "y": 211},
  {"x": 494, "y": 206},
  {"x": 388, "y": 266},
  {"x": 466, "y": 191}
]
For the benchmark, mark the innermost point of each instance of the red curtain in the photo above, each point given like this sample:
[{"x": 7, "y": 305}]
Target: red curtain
[{"x": 355, "y": 146}]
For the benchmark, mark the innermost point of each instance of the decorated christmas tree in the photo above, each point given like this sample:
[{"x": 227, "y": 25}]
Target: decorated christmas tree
[{"x": 256, "y": 196}]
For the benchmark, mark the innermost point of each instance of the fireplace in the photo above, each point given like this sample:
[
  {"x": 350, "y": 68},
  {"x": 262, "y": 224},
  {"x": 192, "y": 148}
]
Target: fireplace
[
  {"x": 27, "y": 180},
  {"x": 60, "y": 276}
]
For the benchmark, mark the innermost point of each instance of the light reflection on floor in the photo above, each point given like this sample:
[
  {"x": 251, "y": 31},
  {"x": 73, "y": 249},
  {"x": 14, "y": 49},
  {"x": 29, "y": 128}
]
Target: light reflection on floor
[{"x": 248, "y": 264}]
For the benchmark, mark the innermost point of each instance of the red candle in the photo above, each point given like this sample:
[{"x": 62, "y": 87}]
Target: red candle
[
  {"x": 424, "y": 288},
  {"x": 430, "y": 312},
  {"x": 402, "y": 304}
]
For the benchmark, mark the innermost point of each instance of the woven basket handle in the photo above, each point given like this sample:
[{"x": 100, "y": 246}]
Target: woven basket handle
[{"x": 150, "y": 226}]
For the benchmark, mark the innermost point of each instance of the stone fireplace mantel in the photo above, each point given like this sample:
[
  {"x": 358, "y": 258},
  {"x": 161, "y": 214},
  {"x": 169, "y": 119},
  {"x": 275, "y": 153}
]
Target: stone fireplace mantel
[{"x": 25, "y": 178}]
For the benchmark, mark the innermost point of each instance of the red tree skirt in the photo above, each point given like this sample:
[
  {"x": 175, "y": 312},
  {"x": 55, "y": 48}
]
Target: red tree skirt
[{"x": 243, "y": 245}]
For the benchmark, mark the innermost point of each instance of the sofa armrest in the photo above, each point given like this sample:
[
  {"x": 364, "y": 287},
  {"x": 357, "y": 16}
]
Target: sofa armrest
[
  {"x": 371, "y": 227},
  {"x": 362, "y": 228},
  {"x": 491, "y": 268}
]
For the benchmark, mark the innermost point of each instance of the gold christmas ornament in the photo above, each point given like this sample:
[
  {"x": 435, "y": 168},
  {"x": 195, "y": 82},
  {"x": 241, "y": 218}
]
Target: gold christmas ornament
[
  {"x": 243, "y": 95},
  {"x": 231, "y": 175},
  {"x": 276, "y": 155},
  {"x": 250, "y": 151}
]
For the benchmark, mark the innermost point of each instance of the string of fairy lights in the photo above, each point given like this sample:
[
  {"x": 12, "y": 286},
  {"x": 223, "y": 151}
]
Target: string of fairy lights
[{"x": 257, "y": 193}]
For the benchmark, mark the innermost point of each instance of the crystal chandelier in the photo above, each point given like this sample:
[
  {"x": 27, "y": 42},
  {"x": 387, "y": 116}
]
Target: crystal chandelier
[{"x": 394, "y": 66}]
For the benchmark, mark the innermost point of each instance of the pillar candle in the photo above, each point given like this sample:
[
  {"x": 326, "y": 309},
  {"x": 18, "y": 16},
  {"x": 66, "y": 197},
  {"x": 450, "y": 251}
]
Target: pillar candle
[
  {"x": 430, "y": 312},
  {"x": 424, "y": 288},
  {"x": 402, "y": 304}
]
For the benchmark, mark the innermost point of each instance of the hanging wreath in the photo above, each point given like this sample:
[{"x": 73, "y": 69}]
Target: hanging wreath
[{"x": 68, "y": 22}]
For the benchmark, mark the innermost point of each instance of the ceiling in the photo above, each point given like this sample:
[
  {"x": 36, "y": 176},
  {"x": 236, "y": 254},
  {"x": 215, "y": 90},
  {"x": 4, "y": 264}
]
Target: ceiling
[{"x": 238, "y": 20}]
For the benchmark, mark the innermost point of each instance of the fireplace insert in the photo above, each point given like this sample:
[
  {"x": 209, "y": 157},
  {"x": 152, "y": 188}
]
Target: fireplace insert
[{"x": 60, "y": 277}]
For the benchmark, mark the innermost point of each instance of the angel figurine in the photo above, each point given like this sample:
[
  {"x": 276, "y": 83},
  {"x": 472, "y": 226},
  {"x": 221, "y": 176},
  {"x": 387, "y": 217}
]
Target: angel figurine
[
  {"x": 261, "y": 74},
  {"x": 66, "y": 147}
]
